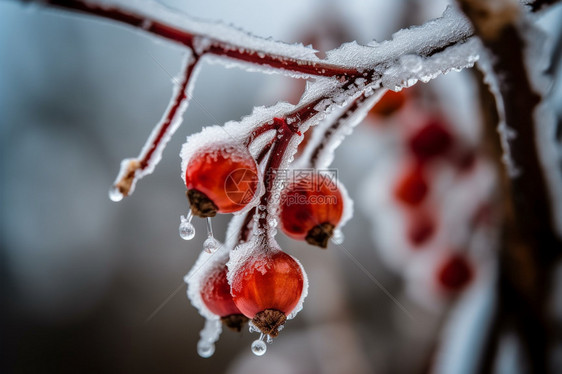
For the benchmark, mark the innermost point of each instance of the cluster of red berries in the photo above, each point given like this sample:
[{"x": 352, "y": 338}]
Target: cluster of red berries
[
  {"x": 429, "y": 199},
  {"x": 262, "y": 284}
]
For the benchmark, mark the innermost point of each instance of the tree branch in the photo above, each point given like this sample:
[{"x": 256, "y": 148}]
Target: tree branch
[{"x": 531, "y": 246}]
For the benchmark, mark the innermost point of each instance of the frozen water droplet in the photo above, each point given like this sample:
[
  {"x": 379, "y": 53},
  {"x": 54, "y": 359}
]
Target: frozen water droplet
[
  {"x": 115, "y": 194},
  {"x": 186, "y": 229},
  {"x": 337, "y": 237},
  {"x": 210, "y": 245},
  {"x": 259, "y": 347},
  {"x": 252, "y": 328},
  {"x": 269, "y": 339},
  {"x": 205, "y": 349}
]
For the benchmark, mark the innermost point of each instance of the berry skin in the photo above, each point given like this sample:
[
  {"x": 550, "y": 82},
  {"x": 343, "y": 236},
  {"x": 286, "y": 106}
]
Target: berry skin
[
  {"x": 455, "y": 273},
  {"x": 411, "y": 188},
  {"x": 310, "y": 210},
  {"x": 267, "y": 288},
  {"x": 389, "y": 103},
  {"x": 215, "y": 293},
  {"x": 432, "y": 140},
  {"x": 222, "y": 180}
]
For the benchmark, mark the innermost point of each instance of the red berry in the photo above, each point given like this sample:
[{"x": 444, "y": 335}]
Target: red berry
[
  {"x": 421, "y": 228},
  {"x": 220, "y": 180},
  {"x": 432, "y": 140},
  {"x": 455, "y": 273},
  {"x": 267, "y": 288},
  {"x": 215, "y": 293},
  {"x": 389, "y": 103},
  {"x": 411, "y": 188},
  {"x": 311, "y": 208}
]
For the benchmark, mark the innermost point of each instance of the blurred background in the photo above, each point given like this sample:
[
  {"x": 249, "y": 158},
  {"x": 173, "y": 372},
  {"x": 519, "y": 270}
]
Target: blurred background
[{"x": 88, "y": 285}]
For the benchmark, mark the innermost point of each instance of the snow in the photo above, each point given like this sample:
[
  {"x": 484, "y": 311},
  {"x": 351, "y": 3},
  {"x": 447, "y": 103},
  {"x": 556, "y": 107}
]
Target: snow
[
  {"x": 506, "y": 133},
  {"x": 419, "y": 40},
  {"x": 412, "y": 68},
  {"x": 206, "y": 263}
]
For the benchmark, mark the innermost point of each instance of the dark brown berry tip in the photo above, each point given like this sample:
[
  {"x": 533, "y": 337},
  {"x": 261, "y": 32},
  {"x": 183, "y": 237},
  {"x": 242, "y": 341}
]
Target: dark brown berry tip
[
  {"x": 201, "y": 205},
  {"x": 320, "y": 234},
  {"x": 235, "y": 322},
  {"x": 269, "y": 321}
]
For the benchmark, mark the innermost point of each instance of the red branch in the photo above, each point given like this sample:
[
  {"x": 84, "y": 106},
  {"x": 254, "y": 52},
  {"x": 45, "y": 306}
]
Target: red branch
[{"x": 214, "y": 46}]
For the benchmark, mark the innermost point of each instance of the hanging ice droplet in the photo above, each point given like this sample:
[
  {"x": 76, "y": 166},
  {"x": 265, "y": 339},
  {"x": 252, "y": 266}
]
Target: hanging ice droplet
[
  {"x": 259, "y": 347},
  {"x": 115, "y": 194},
  {"x": 337, "y": 237},
  {"x": 205, "y": 349},
  {"x": 211, "y": 244},
  {"x": 186, "y": 229}
]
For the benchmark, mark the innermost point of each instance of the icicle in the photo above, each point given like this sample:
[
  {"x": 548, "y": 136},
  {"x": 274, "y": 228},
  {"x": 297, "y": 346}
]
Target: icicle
[
  {"x": 258, "y": 346},
  {"x": 337, "y": 237},
  {"x": 187, "y": 231},
  {"x": 209, "y": 335},
  {"x": 211, "y": 244}
]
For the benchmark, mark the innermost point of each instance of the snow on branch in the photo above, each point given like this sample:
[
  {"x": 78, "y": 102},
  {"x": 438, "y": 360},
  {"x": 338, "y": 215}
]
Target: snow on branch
[{"x": 352, "y": 70}]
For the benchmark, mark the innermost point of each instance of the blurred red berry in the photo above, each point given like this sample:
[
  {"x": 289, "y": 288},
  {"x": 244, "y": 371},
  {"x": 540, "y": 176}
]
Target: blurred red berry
[
  {"x": 222, "y": 180},
  {"x": 389, "y": 103},
  {"x": 455, "y": 273},
  {"x": 411, "y": 187},
  {"x": 311, "y": 209},
  {"x": 432, "y": 140},
  {"x": 421, "y": 228}
]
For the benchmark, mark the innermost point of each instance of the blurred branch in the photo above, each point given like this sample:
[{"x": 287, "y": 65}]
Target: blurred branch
[{"x": 530, "y": 247}]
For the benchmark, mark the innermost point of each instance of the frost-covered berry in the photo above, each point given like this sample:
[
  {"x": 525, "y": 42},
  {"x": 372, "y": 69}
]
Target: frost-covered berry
[
  {"x": 411, "y": 187},
  {"x": 432, "y": 140},
  {"x": 215, "y": 293},
  {"x": 267, "y": 287},
  {"x": 221, "y": 179},
  {"x": 311, "y": 208},
  {"x": 455, "y": 273}
]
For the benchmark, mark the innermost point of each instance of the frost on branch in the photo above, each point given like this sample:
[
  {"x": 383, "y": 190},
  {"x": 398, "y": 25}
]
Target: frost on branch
[
  {"x": 419, "y": 53},
  {"x": 340, "y": 91}
]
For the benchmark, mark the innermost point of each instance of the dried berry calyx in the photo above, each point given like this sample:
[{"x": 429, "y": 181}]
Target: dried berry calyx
[
  {"x": 311, "y": 209},
  {"x": 201, "y": 205},
  {"x": 234, "y": 322},
  {"x": 221, "y": 179},
  {"x": 320, "y": 234},
  {"x": 269, "y": 321}
]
